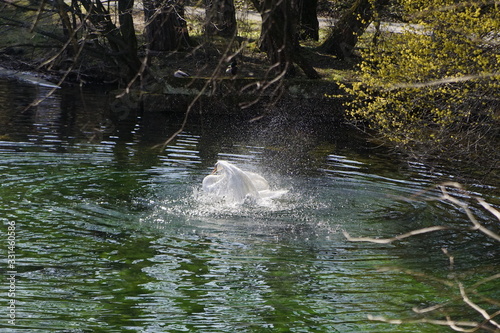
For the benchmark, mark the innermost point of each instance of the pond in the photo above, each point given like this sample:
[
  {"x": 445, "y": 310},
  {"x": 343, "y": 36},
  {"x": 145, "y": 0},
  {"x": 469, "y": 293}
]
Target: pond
[{"x": 111, "y": 234}]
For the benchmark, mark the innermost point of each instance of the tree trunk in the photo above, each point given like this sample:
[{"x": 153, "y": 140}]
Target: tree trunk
[
  {"x": 166, "y": 28},
  {"x": 127, "y": 30},
  {"x": 351, "y": 25},
  {"x": 220, "y": 18},
  {"x": 68, "y": 27},
  {"x": 308, "y": 23},
  {"x": 279, "y": 37},
  {"x": 122, "y": 41}
]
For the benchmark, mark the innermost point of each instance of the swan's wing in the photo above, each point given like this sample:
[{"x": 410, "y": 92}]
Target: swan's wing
[
  {"x": 239, "y": 185},
  {"x": 213, "y": 183},
  {"x": 258, "y": 181}
]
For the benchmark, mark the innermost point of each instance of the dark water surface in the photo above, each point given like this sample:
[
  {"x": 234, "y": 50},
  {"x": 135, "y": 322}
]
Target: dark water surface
[{"x": 112, "y": 235}]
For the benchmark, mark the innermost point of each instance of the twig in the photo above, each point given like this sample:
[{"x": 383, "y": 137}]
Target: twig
[
  {"x": 37, "y": 102},
  {"x": 396, "y": 238},
  {"x": 137, "y": 75},
  {"x": 488, "y": 207},
  {"x": 477, "y": 307},
  {"x": 38, "y": 15},
  {"x": 472, "y": 218},
  {"x": 65, "y": 46},
  {"x": 460, "y": 326},
  {"x": 486, "y": 280},
  {"x": 208, "y": 83},
  {"x": 448, "y": 322},
  {"x": 451, "y": 259}
]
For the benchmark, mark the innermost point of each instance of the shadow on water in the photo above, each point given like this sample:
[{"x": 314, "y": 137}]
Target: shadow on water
[{"x": 114, "y": 236}]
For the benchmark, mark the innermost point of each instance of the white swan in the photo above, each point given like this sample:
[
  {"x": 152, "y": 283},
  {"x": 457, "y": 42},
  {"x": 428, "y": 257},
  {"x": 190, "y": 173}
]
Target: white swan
[{"x": 236, "y": 185}]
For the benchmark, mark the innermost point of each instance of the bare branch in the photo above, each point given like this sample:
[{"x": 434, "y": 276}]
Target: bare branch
[
  {"x": 489, "y": 324},
  {"x": 212, "y": 78},
  {"x": 455, "y": 325},
  {"x": 396, "y": 238},
  {"x": 490, "y": 209},
  {"x": 476, "y": 307},
  {"x": 451, "y": 284},
  {"x": 430, "y": 308},
  {"x": 70, "y": 40},
  {"x": 486, "y": 280},
  {"x": 66, "y": 73},
  {"x": 38, "y": 15},
  {"x": 472, "y": 218},
  {"x": 451, "y": 259}
]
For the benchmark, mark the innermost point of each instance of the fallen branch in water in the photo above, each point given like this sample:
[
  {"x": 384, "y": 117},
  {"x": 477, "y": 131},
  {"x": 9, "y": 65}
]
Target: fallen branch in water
[
  {"x": 484, "y": 313},
  {"x": 396, "y": 238},
  {"x": 489, "y": 323},
  {"x": 446, "y": 197},
  {"x": 455, "y": 325},
  {"x": 472, "y": 218}
]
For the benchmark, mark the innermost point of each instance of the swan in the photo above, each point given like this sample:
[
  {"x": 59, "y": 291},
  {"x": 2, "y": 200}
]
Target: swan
[{"x": 234, "y": 184}]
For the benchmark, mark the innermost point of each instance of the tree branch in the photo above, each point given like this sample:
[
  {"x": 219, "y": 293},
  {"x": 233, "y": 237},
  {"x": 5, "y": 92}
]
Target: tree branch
[
  {"x": 28, "y": 26},
  {"x": 396, "y": 238},
  {"x": 476, "y": 307}
]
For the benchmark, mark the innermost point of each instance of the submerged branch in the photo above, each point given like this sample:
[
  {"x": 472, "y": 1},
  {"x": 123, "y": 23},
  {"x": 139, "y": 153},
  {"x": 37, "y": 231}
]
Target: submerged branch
[
  {"x": 446, "y": 197},
  {"x": 396, "y": 238},
  {"x": 472, "y": 218},
  {"x": 490, "y": 209},
  {"x": 458, "y": 326},
  {"x": 476, "y": 307},
  {"x": 488, "y": 324}
]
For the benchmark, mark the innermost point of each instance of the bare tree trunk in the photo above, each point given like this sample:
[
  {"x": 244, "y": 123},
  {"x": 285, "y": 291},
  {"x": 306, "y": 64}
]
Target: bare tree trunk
[
  {"x": 279, "y": 36},
  {"x": 67, "y": 26},
  {"x": 308, "y": 23},
  {"x": 127, "y": 30},
  {"x": 351, "y": 25},
  {"x": 166, "y": 28},
  {"x": 122, "y": 41},
  {"x": 220, "y": 18}
]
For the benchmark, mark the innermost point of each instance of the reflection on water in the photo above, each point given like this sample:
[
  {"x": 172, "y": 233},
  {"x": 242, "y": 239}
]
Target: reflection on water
[{"x": 112, "y": 236}]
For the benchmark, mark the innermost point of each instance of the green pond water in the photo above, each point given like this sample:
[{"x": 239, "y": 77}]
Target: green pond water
[{"x": 111, "y": 235}]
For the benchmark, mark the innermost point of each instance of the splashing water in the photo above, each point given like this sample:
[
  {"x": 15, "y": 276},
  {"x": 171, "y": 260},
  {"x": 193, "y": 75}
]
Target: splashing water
[{"x": 293, "y": 214}]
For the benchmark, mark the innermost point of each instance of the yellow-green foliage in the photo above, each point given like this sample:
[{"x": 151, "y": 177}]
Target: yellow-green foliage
[{"x": 442, "y": 71}]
